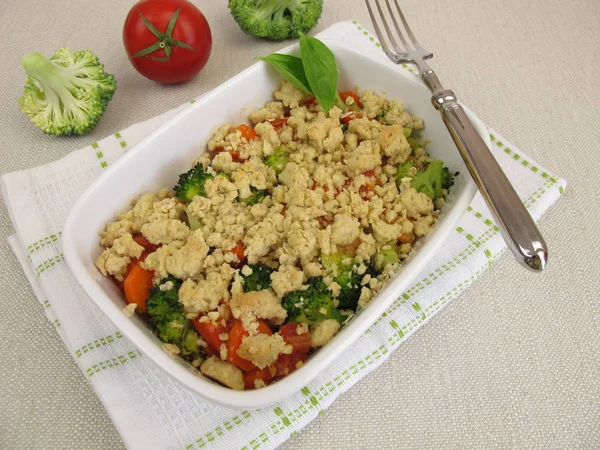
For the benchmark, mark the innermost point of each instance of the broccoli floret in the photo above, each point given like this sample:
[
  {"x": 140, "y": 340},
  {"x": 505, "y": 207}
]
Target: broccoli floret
[
  {"x": 429, "y": 181},
  {"x": 278, "y": 159},
  {"x": 259, "y": 279},
  {"x": 312, "y": 305},
  {"x": 432, "y": 181},
  {"x": 448, "y": 178},
  {"x": 168, "y": 318},
  {"x": 256, "y": 196},
  {"x": 66, "y": 94},
  {"x": 346, "y": 275},
  {"x": 385, "y": 257},
  {"x": 276, "y": 19},
  {"x": 191, "y": 183},
  {"x": 403, "y": 171}
]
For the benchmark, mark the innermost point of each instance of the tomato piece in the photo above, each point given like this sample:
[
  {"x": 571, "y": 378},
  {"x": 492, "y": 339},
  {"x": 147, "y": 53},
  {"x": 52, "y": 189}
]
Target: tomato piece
[
  {"x": 247, "y": 132},
  {"x": 311, "y": 101},
  {"x": 369, "y": 173},
  {"x": 137, "y": 286},
  {"x": 286, "y": 364},
  {"x": 161, "y": 59},
  {"x": 354, "y": 95},
  {"x": 235, "y": 155},
  {"x": 365, "y": 189},
  {"x": 257, "y": 374},
  {"x": 142, "y": 240},
  {"x": 236, "y": 335},
  {"x": 210, "y": 331},
  {"x": 350, "y": 116},
  {"x": 300, "y": 342},
  {"x": 278, "y": 123}
]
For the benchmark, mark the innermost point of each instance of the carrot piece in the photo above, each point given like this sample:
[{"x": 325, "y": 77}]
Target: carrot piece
[
  {"x": 247, "y": 132},
  {"x": 354, "y": 95},
  {"x": 137, "y": 286},
  {"x": 257, "y": 374},
  {"x": 300, "y": 342},
  {"x": 369, "y": 173},
  {"x": 236, "y": 335},
  {"x": 238, "y": 251},
  {"x": 210, "y": 332}
]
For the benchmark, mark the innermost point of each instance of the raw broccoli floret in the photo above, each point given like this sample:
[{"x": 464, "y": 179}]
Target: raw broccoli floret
[
  {"x": 66, "y": 94},
  {"x": 276, "y": 19},
  {"x": 312, "y": 305},
  {"x": 432, "y": 181},
  {"x": 191, "y": 183},
  {"x": 278, "y": 159},
  {"x": 256, "y": 196},
  {"x": 259, "y": 279},
  {"x": 168, "y": 318},
  {"x": 346, "y": 275}
]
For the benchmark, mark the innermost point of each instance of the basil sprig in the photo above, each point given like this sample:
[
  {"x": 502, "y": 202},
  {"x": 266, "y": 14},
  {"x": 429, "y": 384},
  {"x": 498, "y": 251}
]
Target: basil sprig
[{"x": 315, "y": 72}]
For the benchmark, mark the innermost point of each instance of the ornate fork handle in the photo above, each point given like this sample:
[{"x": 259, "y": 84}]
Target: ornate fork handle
[{"x": 516, "y": 225}]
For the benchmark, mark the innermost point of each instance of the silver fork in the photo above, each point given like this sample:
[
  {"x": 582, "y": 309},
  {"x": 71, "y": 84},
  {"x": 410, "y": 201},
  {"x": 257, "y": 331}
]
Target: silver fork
[{"x": 516, "y": 225}]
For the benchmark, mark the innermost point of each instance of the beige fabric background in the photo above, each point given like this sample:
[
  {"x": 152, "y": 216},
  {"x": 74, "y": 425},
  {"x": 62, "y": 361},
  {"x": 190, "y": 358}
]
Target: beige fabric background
[{"x": 513, "y": 363}]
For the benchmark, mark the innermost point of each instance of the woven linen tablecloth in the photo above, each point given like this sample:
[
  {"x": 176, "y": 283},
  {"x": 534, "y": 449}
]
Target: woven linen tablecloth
[{"x": 147, "y": 407}]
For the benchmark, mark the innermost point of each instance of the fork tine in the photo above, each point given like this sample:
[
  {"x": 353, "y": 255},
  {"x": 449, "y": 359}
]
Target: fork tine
[
  {"x": 387, "y": 29},
  {"x": 380, "y": 35},
  {"x": 408, "y": 30},
  {"x": 398, "y": 29}
]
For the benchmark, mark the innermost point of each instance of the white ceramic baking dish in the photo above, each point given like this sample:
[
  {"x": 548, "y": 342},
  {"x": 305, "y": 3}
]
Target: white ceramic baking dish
[{"x": 157, "y": 161}]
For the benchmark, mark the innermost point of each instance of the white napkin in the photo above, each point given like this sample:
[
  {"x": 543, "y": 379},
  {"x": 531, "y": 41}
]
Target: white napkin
[{"x": 147, "y": 407}]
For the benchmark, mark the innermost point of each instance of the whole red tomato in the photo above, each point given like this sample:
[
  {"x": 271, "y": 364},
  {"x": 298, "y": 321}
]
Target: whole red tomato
[{"x": 167, "y": 41}]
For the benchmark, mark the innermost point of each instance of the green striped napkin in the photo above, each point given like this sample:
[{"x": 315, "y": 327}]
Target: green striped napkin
[{"x": 147, "y": 407}]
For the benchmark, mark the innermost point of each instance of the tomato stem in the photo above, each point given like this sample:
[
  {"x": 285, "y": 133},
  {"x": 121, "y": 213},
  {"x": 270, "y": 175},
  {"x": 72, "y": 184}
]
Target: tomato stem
[{"x": 164, "y": 40}]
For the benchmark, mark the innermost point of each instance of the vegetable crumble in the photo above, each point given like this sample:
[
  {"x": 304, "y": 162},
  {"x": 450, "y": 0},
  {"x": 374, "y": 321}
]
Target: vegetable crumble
[{"x": 278, "y": 234}]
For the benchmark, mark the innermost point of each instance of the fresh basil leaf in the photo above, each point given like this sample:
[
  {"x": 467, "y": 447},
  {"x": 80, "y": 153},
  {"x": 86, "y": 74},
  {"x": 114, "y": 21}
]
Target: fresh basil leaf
[
  {"x": 320, "y": 70},
  {"x": 290, "y": 68}
]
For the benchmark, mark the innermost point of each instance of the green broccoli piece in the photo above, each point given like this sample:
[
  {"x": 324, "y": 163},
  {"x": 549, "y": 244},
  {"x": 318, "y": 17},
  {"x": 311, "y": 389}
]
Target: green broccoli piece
[
  {"x": 347, "y": 277},
  {"x": 259, "y": 279},
  {"x": 66, "y": 94},
  {"x": 448, "y": 178},
  {"x": 312, "y": 305},
  {"x": 191, "y": 183},
  {"x": 429, "y": 181},
  {"x": 432, "y": 181},
  {"x": 256, "y": 196},
  {"x": 169, "y": 320},
  {"x": 276, "y": 19},
  {"x": 278, "y": 159},
  {"x": 403, "y": 171},
  {"x": 385, "y": 257}
]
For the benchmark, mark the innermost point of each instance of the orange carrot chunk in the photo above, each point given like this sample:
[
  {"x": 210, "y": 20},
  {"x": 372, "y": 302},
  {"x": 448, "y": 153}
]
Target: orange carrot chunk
[
  {"x": 137, "y": 286},
  {"x": 247, "y": 132}
]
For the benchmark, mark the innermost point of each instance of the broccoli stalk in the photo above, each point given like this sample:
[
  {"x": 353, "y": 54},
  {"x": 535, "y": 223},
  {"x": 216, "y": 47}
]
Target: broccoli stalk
[
  {"x": 168, "y": 318},
  {"x": 259, "y": 279},
  {"x": 312, "y": 305},
  {"x": 191, "y": 183},
  {"x": 66, "y": 94},
  {"x": 276, "y": 19}
]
